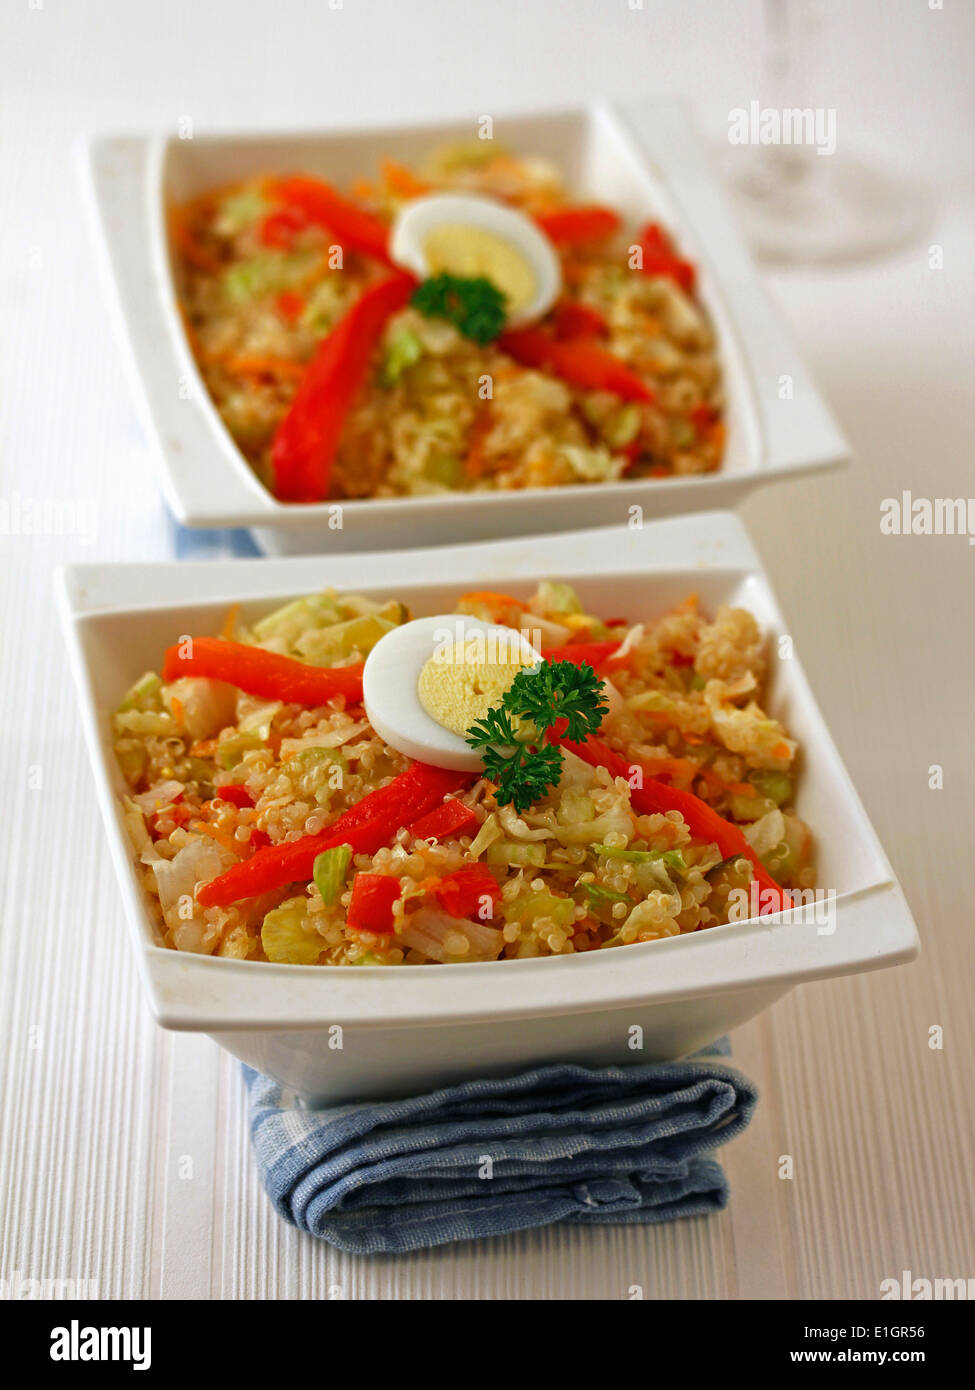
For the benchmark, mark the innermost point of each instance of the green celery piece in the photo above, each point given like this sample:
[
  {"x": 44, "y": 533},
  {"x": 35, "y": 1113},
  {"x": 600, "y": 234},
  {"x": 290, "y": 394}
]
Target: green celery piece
[
  {"x": 555, "y": 596},
  {"x": 402, "y": 351},
  {"x": 539, "y": 903},
  {"x": 750, "y": 808},
  {"x": 239, "y": 210},
  {"x": 329, "y": 872},
  {"x": 286, "y": 938},
  {"x": 673, "y": 858},
  {"x": 510, "y": 852},
  {"x": 232, "y": 750},
  {"x": 267, "y": 273},
  {"x": 623, "y": 426},
  {"x": 296, "y": 617},
  {"x": 143, "y": 695},
  {"x": 775, "y": 785},
  {"x": 598, "y": 895}
]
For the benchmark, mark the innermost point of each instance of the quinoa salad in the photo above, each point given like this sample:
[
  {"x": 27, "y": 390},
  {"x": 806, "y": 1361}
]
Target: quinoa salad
[
  {"x": 339, "y": 375},
  {"x": 272, "y": 823}
]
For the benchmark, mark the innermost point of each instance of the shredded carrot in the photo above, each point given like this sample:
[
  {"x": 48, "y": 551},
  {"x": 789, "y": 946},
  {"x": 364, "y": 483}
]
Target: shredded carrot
[
  {"x": 719, "y": 784},
  {"x": 671, "y": 767},
  {"x": 660, "y": 716},
  {"x": 262, "y": 364},
  {"x": 402, "y": 182},
  {"x": 491, "y": 597},
  {"x": 428, "y": 883},
  {"x": 177, "y": 709},
  {"x": 687, "y": 770},
  {"x": 573, "y": 272},
  {"x": 230, "y": 623},
  {"x": 781, "y": 750},
  {"x": 218, "y": 835},
  {"x": 190, "y": 247},
  {"x": 313, "y": 276},
  {"x": 246, "y": 815},
  {"x": 481, "y": 428}
]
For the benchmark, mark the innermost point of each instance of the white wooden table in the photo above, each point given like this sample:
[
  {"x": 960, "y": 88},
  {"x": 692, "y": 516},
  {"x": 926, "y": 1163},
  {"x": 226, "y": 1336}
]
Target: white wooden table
[{"x": 123, "y": 1152}]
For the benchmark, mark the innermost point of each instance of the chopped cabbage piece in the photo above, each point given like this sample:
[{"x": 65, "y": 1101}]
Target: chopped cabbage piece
[{"x": 286, "y": 936}]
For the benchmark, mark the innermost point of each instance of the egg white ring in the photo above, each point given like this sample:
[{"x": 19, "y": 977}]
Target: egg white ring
[
  {"x": 420, "y": 216},
  {"x": 397, "y": 659}
]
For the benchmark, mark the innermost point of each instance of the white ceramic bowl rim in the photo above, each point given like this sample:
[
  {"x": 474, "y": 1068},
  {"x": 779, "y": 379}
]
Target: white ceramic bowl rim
[
  {"x": 650, "y": 146},
  {"x": 108, "y": 611}
]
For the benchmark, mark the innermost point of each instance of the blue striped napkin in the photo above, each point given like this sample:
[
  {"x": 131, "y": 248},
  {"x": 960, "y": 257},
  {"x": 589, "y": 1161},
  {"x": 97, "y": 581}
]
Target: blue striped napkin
[
  {"x": 210, "y": 545},
  {"x": 606, "y": 1146}
]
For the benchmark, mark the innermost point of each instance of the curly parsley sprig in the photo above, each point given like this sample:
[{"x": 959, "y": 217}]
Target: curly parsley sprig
[
  {"x": 517, "y": 758},
  {"x": 472, "y": 303},
  {"x": 559, "y": 690}
]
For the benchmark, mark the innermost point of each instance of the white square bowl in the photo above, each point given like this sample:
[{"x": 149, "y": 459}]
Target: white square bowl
[
  {"x": 644, "y": 160},
  {"x": 412, "y": 1028}
]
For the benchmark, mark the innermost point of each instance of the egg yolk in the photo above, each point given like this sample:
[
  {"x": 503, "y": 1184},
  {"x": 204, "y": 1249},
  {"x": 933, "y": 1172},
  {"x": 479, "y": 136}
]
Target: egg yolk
[
  {"x": 470, "y": 251},
  {"x": 457, "y": 686}
]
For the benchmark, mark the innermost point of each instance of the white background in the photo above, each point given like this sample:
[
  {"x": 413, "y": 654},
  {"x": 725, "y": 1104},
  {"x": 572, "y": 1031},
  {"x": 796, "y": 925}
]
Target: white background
[{"x": 100, "y": 1113}]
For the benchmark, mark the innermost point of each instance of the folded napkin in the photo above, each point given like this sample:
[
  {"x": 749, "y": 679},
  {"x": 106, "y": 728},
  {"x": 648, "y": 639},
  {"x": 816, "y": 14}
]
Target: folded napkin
[{"x": 607, "y": 1145}]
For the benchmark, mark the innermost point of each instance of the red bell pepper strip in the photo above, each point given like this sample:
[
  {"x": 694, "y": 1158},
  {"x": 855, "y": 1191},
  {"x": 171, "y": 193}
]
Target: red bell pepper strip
[
  {"x": 307, "y": 439},
  {"x": 289, "y": 305},
  {"x": 460, "y": 894},
  {"x": 267, "y": 674},
  {"x": 366, "y": 827},
  {"x": 579, "y": 361},
  {"x": 279, "y": 228},
  {"x": 632, "y": 452},
  {"x": 371, "y": 907},
  {"x": 319, "y": 203},
  {"x": 596, "y": 653},
  {"x": 452, "y": 818},
  {"x": 702, "y": 417},
  {"x": 703, "y": 822},
  {"x": 659, "y": 258},
  {"x": 573, "y": 319},
  {"x": 235, "y": 794},
  {"x": 567, "y": 226}
]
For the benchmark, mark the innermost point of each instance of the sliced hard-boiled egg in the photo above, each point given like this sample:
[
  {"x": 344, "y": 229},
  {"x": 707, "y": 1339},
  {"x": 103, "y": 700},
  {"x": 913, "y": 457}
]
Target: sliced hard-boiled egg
[
  {"x": 425, "y": 683},
  {"x": 468, "y": 234}
]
